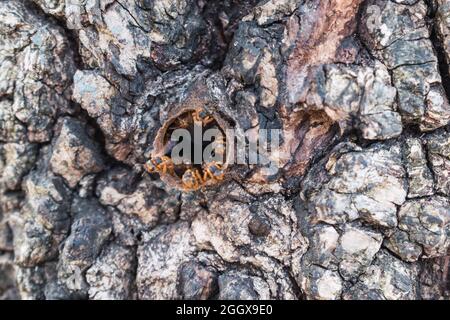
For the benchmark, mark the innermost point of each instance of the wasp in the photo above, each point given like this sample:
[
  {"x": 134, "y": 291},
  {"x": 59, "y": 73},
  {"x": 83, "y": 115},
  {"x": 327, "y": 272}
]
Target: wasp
[
  {"x": 219, "y": 145},
  {"x": 202, "y": 116},
  {"x": 192, "y": 179},
  {"x": 150, "y": 167},
  {"x": 160, "y": 164},
  {"x": 214, "y": 171},
  {"x": 183, "y": 122}
]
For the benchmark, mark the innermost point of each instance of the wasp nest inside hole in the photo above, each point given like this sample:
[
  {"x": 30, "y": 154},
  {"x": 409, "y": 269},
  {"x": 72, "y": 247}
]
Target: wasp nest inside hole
[{"x": 190, "y": 175}]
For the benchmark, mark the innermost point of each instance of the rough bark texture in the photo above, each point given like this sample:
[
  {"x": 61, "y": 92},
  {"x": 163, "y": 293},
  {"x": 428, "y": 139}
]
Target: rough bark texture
[{"x": 359, "y": 89}]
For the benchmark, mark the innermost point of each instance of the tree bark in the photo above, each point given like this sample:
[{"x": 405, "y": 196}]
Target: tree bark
[{"x": 358, "y": 89}]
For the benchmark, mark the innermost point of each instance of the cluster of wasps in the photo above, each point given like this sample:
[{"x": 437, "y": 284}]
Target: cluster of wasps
[{"x": 192, "y": 178}]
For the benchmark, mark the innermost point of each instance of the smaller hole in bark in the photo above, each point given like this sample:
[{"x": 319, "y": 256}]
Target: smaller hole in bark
[{"x": 259, "y": 226}]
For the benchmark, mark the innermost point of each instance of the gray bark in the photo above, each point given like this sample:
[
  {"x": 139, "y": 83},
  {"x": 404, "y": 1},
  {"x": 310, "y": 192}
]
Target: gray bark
[{"x": 359, "y": 90}]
